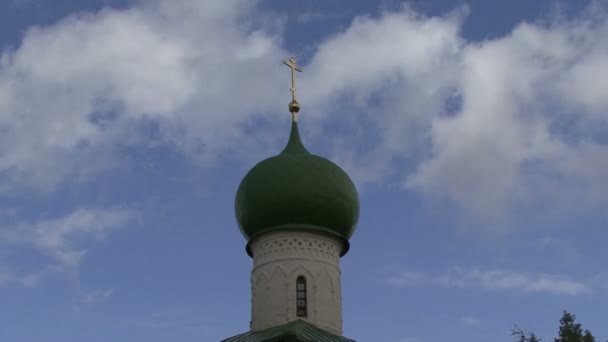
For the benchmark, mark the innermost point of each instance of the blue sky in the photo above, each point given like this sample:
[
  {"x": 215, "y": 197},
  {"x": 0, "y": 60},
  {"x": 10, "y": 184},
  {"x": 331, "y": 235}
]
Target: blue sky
[{"x": 475, "y": 132}]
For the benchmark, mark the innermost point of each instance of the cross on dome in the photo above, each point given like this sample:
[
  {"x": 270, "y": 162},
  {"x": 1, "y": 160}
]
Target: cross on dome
[{"x": 294, "y": 106}]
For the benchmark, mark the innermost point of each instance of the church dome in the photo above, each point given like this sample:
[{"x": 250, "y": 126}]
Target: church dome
[{"x": 297, "y": 190}]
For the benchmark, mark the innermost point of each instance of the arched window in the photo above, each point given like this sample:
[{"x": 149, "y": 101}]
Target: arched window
[{"x": 301, "y": 309}]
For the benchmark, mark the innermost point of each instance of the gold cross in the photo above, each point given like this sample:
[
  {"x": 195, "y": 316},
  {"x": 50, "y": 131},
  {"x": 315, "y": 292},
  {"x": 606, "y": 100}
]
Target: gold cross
[{"x": 291, "y": 62}]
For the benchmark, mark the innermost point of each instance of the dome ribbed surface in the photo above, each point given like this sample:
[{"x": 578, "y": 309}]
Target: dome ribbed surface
[{"x": 297, "y": 190}]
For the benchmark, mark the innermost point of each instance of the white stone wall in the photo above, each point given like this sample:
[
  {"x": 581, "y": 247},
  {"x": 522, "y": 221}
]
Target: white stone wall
[{"x": 278, "y": 259}]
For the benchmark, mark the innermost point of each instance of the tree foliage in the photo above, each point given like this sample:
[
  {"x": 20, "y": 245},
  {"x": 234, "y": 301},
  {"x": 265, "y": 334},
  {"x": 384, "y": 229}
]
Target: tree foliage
[
  {"x": 525, "y": 335},
  {"x": 569, "y": 331}
]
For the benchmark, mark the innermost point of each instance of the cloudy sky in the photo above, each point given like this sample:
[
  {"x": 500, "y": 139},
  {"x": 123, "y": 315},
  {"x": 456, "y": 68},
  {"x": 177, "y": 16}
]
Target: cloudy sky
[{"x": 476, "y": 132}]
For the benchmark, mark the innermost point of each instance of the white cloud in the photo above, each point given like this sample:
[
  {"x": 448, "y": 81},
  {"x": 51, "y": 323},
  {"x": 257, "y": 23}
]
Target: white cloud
[
  {"x": 97, "y": 297},
  {"x": 471, "y": 321},
  {"x": 494, "y": 280},
  {"x": 393, "y": 73},
  {"x": 62, "y": 239},
  {"x": 482, "y": 124},
  {"x": 601, "y": 280},
  {"x": 561, "y": 248},
  {"x": 494, "y": 152},
  {"x": 59, "y": 236},
  {"x": 507, "y": 124},
  {"x": 6, "y": 276},
  {"x": 409, "y": 278},
  {"x": 32, "y": 278},
  {"x": 74, "y": 90}
]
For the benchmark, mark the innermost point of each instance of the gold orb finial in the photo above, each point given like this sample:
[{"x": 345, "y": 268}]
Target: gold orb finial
[{"x": 294, "y": 106}]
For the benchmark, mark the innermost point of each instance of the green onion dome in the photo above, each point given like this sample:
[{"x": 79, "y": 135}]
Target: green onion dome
[{"x": 299, "y": 191}]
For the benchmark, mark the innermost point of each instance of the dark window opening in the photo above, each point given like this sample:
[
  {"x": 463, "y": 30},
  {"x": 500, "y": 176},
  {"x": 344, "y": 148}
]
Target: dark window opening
[{"x": 301, "y": 309}]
